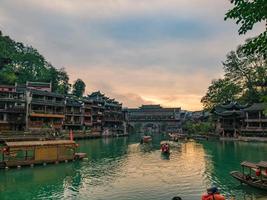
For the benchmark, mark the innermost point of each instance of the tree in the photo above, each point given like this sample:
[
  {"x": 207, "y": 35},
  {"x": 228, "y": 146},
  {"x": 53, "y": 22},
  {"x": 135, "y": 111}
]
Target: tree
[
  {"x": 245, "y": 80},
  {"x": 220, "y": 91},
  {"x": 248, "y": 13},
  {"x": 20, "y": 63},
  {"x": 78, "y": 88},
  {"x": 249, "y": 72}
]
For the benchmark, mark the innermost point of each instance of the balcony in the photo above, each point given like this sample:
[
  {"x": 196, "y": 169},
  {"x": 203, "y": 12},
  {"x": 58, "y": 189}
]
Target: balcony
[
  {"x": 47, "y": 102},
  {"x": 254, "y": 129},
  {"x": 256, "y": 120},
  {"x": 39, "y": 113},
  {"x": 73, "y": 123},
  {"x": 113, "y": 120},
  {"x": 17, "y": 109},
  {"x": 11, "y": 99}
]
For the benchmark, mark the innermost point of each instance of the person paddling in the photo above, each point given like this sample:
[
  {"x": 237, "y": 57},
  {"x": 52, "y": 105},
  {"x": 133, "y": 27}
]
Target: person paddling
[{"x": 212, "y": 194}]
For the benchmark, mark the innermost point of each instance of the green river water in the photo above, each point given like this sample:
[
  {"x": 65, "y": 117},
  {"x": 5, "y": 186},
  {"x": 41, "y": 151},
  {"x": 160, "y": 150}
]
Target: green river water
[{"x": 122, "y": 169}]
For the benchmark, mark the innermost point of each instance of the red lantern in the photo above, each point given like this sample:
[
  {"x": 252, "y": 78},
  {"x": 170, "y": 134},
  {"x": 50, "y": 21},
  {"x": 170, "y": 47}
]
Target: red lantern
[{"x": 258, "y": 172}]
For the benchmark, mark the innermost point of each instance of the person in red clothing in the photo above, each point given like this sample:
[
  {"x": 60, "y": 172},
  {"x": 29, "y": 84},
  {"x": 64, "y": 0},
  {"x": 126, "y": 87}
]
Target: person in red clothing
[{"x": 212, "y": 194}]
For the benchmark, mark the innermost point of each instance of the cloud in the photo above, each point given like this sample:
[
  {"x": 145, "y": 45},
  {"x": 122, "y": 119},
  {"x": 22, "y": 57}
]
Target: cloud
[{"x": 140, "y": 52}]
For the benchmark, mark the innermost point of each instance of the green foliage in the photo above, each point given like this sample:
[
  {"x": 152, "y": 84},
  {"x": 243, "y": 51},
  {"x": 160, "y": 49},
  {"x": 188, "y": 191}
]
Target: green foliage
[
  {"x": 192, "y": 127},
  {"x": 265, "y": 102},
  {"x": 78, "y": 88},
  {"x": 247, "y": 14},
  {"x": 245, "y": 80},
  {"x": 20, "y": 63},
  {"x": 220, "y": 91}
]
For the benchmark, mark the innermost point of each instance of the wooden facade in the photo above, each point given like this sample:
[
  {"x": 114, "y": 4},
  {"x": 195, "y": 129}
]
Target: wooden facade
[
  {"x": 17, "y": 154},
  {"x": 255, "y": 120},
  {"x": 107, "y": 115},
  {"x": 12, "y": 109},
  {"x": 234, "y": 119},
  {"x": 45, "y": 110},
  {"x": 154, "y": 118},
  {"x": 33, "y": 107}
]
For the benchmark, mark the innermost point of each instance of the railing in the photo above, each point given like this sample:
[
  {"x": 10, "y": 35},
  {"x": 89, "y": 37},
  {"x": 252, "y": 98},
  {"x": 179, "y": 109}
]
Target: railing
[
  {"x": 256, "y": 120},
  {"x": 48, "y": 101},
  {"x": 14, "y": 110},
  {"x": 12, "y": 99},
  {"x": 152, "y": 119},
  {"x": 47, "y": 112},
  {"x": 254, "y": 129},
  {"x": 72, "y": 122},
  {"x": 113, "y": 119}
]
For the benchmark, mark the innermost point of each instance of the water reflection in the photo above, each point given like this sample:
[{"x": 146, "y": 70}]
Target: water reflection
[
  {"x": 122, "y": 169},
  {"x": 226, "y": 157}
]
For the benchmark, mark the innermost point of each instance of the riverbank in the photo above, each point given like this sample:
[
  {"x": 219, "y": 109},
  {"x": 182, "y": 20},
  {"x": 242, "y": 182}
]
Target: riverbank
[
  {"x": 27, "y": 136},
  {"x": 245, "y": 139}
]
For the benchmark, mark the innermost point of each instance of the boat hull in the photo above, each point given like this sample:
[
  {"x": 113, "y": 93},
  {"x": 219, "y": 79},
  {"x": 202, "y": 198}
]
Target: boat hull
[{"x": 253, "y": 182}]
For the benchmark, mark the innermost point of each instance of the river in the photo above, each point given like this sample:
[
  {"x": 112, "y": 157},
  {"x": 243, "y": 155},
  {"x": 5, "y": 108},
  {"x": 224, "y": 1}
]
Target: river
[{"x": 122, "y": 169}]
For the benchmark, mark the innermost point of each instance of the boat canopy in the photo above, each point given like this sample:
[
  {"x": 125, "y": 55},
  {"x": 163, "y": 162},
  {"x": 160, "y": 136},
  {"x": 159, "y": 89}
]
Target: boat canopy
[
  {"x": 262, "y": 164},
  {"x": 39, "y": 143},
  {"x": 249, "y": 164}
]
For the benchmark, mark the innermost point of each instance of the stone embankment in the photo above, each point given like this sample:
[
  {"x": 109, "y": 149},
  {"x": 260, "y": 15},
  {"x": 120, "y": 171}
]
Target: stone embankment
[{"x": 245, "y": 139}]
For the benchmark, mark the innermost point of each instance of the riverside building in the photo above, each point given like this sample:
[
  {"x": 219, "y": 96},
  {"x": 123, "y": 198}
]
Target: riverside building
[
  {"x": 154, "y": 118},
  {"x": 34, "y": 107}
]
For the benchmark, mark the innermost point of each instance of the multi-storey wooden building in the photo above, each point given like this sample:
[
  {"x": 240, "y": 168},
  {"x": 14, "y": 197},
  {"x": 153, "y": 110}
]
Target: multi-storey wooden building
[
  {"x": 12, "y": 109},
  {"x": 34, "y": 107},
  {"x": 87, "y": 114},
  {"x": 45, "y": 110},
  {"x": 107, "y": 114},
  {"x": 73, "y": 114},
  {"x": 113, "y": 117},
  {"x": 234, "y": 119},
  {"x": 255, "y": 120},
  {"x": 154, "y": 118}
]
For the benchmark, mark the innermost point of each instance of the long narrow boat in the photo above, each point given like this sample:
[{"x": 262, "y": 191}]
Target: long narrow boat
[
  {"x": 146, "y": 139},
  {"x": 259, "y": 181},
  {"x": 17, "y": 154}
]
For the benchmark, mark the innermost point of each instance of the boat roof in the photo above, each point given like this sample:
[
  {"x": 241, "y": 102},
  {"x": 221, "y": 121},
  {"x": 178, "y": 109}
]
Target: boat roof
[
  {"x": 249, "y": 164},
  {"x": 38, "y": 143},
  {"x": 262, "y": 164}
]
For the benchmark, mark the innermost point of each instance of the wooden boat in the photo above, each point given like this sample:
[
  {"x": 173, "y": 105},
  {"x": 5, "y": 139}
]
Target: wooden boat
[
  {"x": 176, "y": 136},
  {"x": 146, "y": 139},
  {"x": 252, "y": 180},
  {"x": 17, "y": 154},
  {"x": 165, "y": 148},
  {"x": 200, "y": 137}
]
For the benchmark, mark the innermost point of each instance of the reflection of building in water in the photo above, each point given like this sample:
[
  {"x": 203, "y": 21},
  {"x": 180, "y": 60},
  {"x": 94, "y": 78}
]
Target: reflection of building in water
[{"x": 154, "y": 118}]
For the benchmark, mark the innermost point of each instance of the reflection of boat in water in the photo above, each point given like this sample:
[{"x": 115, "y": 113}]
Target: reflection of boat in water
[
  {"x": 146, "y": 139},
  {"x": 258, "y": 180},
  {"x": 16, "y": 154}
]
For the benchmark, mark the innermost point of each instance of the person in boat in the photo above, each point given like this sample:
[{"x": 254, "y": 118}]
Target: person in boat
[
  {"x": 165, "y": 148},
  {"x": 212, "y": 194}
]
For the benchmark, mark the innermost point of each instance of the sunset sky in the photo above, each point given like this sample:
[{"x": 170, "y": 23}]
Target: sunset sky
[{"x": 137, "y": 51}]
